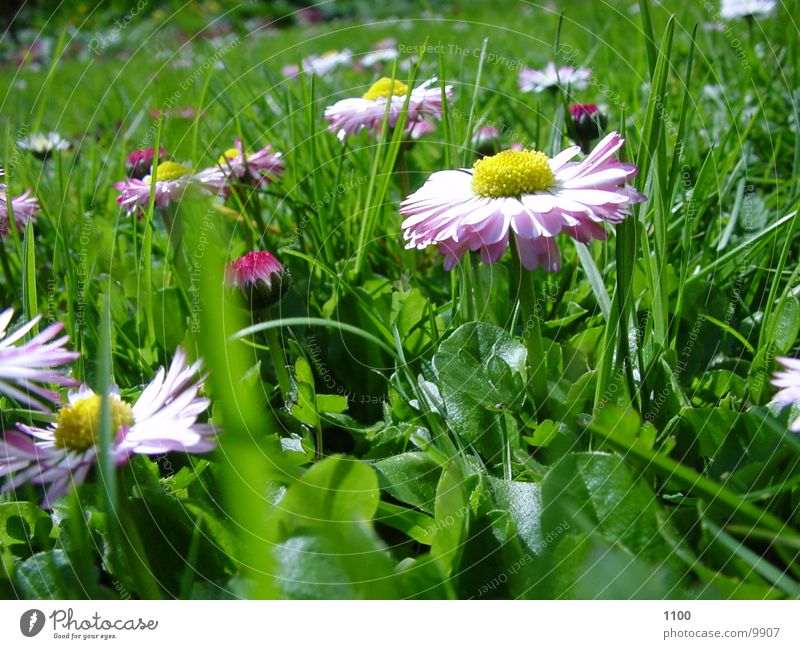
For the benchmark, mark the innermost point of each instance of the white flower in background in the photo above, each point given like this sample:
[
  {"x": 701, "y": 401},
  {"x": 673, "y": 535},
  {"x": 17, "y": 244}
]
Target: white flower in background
[
  {"x": 731, "y": 9},
  {"x": 788, "y": 380},
  {"x": 43, "y": 144},
  {"x": 383, "y": 51},
  {"x": 551, "y": 77},
  {"x": 320, "y": 65}
]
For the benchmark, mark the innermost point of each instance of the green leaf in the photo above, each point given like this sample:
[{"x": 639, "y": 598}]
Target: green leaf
[
  {"x": 597, "y": 493},
  {"x": 415, "y": 524},
  {"x": 47, "y": 575},
  {"x": 451, "y": 518},
  {"x": 325, "y": 542},
  {"x": 25, "y": 528},
  {"x": 331, "y": 403},
  {"x": 410, "y": 478},
  {"x": 544, "y": 433},
  {"x": 522, "y": 501},
  {"x": 481, "y": 371},
  {"x": 786, "y": 325},
  {"x": 305, "y": 405},
  {"x": 711, "y": 426}
]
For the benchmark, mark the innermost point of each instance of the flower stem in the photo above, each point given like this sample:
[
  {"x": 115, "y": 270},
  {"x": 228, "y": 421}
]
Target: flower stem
[
  {"x": 133, "y": 551},
  {"x": 279, "y": 362},
  {"x": 402, "y": 170},
  {"x": 480, "y": 305},
  {"x": 532, "y": 335},
  {"x": 467, "y": 302}
]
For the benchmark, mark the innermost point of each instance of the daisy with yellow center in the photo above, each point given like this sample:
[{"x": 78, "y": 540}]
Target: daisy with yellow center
[
  {"x": 236, "y": 164},
  {"x": 512, "y": 173},
  {"x": 163, "y": 419},
  {"x": 170, "y": 171},
  {"x": 523, "y": 194},
  {"x": 385, "y": 88},
  {"x": 78, "y": 424},
  {"x": 172, "y": 179},
  {"x": 351, "y": 116}
]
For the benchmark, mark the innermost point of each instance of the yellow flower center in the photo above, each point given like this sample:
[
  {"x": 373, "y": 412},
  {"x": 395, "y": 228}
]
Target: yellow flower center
[
  {"x": 386, "y": 87},
  {"x": 78, "y": 425},
  {"x": 512, "y": 173},
  {"x": 229, "y": 154},
  {"x": 170, "y": 170}
]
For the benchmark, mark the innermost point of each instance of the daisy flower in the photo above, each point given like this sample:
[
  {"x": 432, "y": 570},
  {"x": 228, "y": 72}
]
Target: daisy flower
[
  {"x": 25, "y": 208},
  {"x": 382, "y": 52},
  {"x": 320, "y": 65},
  {"x": 163, "y": 419},
  {"x": 552, "y": 78},
  {"x": 260, "y": 277},
  {"x": 43, "y": 144},
  {"x": 259, "y": 168},
  {"x": 26, "y": 366},
  {"x": 350, "y": 116},
  {"x": 525, "y": 194},
  {"x": 731, "y": 9},
  {"x": 172, "y": 179},
  {"x": 789, "y": 381}
]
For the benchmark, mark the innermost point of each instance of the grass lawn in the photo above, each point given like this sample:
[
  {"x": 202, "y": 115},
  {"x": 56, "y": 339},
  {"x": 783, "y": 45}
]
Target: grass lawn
[{"x": 377, "y": 420}]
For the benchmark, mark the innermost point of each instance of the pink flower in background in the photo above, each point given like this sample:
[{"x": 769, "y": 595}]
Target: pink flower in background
[
  {"x": 163, "y": 419},
  {"x": 25, "y": 208},
  {"x": 259, "y": 168},
  {"x": 351, "y": 116},
  {"x": 486, "y": 140},
  {"x": 525, "y": 194},
  {"x": 290, "y": 70},
  {"x": 485, "y": 134},
  {"x": 788, "y": 380},
  {"x": 186, "y": 112},
  {"x": 25, "y": 367},
  {"x": 260, "y": 277},
  {"x": 551, "y": 77},
  {"x": 140, "y": 162}
]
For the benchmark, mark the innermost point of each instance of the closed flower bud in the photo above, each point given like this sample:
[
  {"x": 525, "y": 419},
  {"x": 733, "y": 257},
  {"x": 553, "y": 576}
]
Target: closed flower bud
[
  {"x": 587, "y": 124},
  {"x": 260, "y": 277},
  {"x": 486, "y": 140}
]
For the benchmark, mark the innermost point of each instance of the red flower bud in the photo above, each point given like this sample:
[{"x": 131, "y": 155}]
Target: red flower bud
[{"x": 260, "y": 277}]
